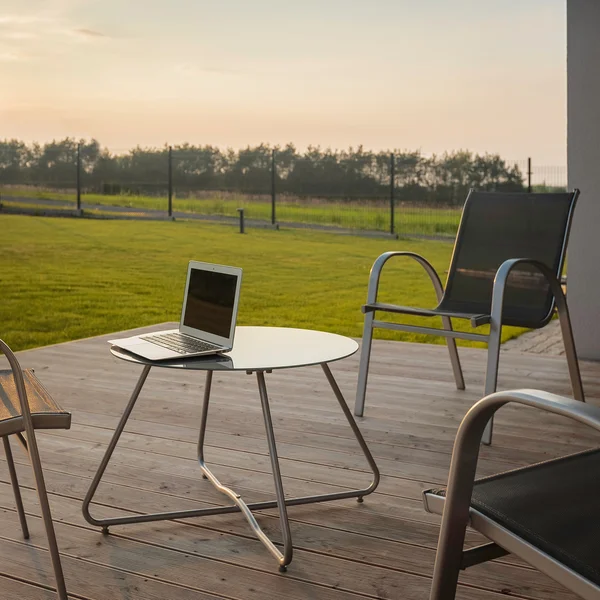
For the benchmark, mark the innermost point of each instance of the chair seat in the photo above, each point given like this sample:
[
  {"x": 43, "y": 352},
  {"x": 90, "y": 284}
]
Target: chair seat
[
  {"x": 554, "y": 505},
  {"x": 45, "y": 412},
  {"x": 476, "y": 319}
]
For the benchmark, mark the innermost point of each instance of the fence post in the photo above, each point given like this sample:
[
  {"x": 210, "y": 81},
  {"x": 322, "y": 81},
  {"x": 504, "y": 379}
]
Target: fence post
[
  {"x": 392, "y": 188},
  {"x": 529, "y": 175},
  {"x": 273, "y": 188},
  {"x": 78, "y": 178},
  {"x": 241, "y": 212},
  {"x": 170, "y": 182}
]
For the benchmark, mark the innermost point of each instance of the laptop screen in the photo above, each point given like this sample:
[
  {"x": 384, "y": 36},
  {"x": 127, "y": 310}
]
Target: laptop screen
[{"x": 210, "y": 302}]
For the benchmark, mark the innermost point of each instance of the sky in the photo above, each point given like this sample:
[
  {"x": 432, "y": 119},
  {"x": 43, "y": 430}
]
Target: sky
[{"x": 433, "y": 75}]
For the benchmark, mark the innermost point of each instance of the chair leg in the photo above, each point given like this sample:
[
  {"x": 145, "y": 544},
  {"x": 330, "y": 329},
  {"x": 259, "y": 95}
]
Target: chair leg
[
  {"x": 491, "y": 375},
  {"x": 363, "y": 368},
  {"x": 15, "y": 486},
  {"x": 447, "y": 568},
  {"x": 570, "y": 352},
  {"x": 455, "y": 517},
  {"x": 40, "y": 484},
  {"x": 454, "y": 358}
]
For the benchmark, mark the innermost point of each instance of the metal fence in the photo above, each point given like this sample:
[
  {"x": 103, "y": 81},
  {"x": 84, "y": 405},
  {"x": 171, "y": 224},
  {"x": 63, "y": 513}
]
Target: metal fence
[
  {"x": 168, "y": 191},
  {"x": 541, "y": 178}
]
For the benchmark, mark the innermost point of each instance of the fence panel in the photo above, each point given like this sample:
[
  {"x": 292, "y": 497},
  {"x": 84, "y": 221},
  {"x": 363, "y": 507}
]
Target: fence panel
[{"x": 403, "y": 193}]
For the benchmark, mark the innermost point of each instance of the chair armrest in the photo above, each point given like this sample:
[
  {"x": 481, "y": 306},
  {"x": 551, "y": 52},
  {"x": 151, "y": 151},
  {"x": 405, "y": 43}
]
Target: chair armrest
[
  {"x": 468, "y": 439},
  {"x": 19, "y": 380},
  {"x": 377, "y": 267},
  {"x": 470, "y": 432},
  {"x": 501, "y": 279},
  {"x": 471, "y": 428},
  {"x": 561, "y": 405},
  {"x": 560, "y": 302}
]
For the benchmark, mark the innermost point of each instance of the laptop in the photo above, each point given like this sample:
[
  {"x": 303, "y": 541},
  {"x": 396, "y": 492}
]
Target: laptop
[{"x": 208, "y": 316}]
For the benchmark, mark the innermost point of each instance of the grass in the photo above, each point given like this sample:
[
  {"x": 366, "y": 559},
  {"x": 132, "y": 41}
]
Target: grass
[
  {"x": 370, "y": 215},
  {"x": 65, "y": 279}
]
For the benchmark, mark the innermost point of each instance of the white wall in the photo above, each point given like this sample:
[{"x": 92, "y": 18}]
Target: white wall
[{"x": 583, "y": 133}]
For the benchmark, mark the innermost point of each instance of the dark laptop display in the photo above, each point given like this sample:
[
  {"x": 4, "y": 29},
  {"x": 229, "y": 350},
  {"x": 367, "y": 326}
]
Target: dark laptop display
[{"x": 210, "y": 302}]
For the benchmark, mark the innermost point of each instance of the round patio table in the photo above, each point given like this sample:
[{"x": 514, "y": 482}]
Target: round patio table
[{"x": 256, "y": 350}]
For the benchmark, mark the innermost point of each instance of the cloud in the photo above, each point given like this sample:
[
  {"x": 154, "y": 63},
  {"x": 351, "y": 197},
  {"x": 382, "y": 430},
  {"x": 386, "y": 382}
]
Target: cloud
[
  {"x": 25, "y": 27},
  {"x": 8, "y": 57},
  {"x": 89, "y": 33},
  {"x": 189, "y": 69},
  {"x": 18, "y": 30},
  {"x": 23, "y": 19},
  {"x": 19, "y": 35}
]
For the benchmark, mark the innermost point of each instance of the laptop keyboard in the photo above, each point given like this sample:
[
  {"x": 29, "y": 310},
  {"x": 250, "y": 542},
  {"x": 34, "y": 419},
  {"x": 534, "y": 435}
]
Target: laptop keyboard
[{"x": 180, "y": 343}]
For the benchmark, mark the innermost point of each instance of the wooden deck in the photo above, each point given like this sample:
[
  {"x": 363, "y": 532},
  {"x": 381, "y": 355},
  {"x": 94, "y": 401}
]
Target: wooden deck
[{"x": 383, "y": 548}]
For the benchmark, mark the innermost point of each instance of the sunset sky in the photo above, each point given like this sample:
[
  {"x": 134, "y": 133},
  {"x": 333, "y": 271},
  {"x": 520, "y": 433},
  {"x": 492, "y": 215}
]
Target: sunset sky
[{"x": 433, "y": 75}]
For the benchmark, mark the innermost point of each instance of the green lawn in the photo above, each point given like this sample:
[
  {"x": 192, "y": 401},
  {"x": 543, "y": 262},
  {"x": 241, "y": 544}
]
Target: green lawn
[
  {"x": 366, "y": 215},
  {"x": 64, "y": 279}
]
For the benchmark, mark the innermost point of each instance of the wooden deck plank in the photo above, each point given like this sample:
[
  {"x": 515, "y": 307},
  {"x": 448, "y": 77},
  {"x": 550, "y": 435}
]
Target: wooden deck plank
[
  {"x": 432, "y": 412},
  {"x": 320, "y": 563},
  {"x": 12, "y": 588},
  {"x": 505, "y": 450},
  {"x": 84, "y": 578},
  {"x": 381, "y": 549},
  {"x": 438, "y": 427}
]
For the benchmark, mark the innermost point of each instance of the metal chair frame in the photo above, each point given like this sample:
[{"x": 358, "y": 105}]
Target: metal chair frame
[
  {"x": 494, "y": 318},
  {"x": 458, "y": 513},
  {"x": 30, "y": 446}
]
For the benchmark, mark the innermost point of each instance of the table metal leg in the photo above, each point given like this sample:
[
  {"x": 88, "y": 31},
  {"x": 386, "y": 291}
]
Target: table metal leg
[
  {"x": 203, "y": 418},
  {"x": 286, "y": 557},
  {"x": 281, "y": 503},
  {"x": 355, "y": 430},
  {"x": 111, "y": 447}
]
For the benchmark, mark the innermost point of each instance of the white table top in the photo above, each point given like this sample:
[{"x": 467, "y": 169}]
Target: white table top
[{"x": 262, "y": 349}]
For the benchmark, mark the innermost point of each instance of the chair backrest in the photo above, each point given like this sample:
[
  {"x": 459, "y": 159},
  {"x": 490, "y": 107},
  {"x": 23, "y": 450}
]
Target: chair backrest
[{"x": 495, "y": 227}]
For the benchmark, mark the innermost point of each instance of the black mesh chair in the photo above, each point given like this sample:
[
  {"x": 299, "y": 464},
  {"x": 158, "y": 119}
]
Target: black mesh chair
[
  {"x": 505, "y": 270},
  {"x": 546, "y": 514}
]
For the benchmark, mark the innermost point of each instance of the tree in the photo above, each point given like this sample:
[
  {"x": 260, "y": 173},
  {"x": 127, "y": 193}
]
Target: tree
[{"x": 355, "y": 173}]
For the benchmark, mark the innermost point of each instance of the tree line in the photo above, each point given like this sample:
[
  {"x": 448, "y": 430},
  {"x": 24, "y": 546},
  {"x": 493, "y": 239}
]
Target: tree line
[{"x": 355, "y": 173}]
